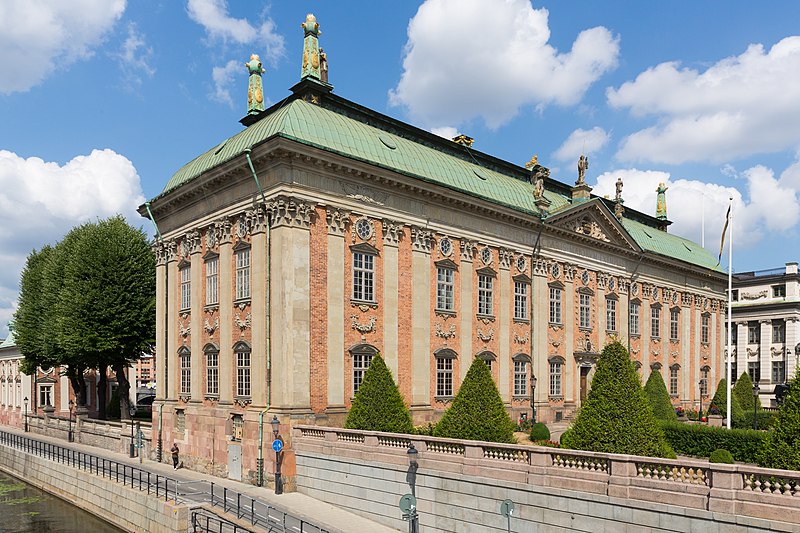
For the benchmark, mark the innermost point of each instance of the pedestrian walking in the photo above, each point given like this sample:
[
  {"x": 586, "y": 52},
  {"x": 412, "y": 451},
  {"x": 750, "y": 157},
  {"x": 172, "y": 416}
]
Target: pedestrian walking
[{"x": 175, "y": 451}]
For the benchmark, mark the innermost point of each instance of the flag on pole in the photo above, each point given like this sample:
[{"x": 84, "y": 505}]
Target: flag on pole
[{"x": 724, "y": 230}]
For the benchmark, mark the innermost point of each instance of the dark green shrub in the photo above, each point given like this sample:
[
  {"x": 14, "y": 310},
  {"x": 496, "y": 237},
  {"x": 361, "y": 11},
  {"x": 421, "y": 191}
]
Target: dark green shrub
[
  {"x": 744, "y": 393},
  {"x": 378, "y": 405},
  {"x": 477, "y": 412},
  {"x": 782, "y": 446},
  {"x": 540, "y": 432},
  {"x": 721, "y": 455},
  {"x": 564, "y": 438},
  {"x": 699, "y": 440},
  {"x": 524, "y": 425},
  {"x": 720, "y": 400},
  {"x": 657, "y": 395},
  {"x": 113, "y": 409},
  {"x": 616, "y": 416},
  {"x": 764, "y": 419}
]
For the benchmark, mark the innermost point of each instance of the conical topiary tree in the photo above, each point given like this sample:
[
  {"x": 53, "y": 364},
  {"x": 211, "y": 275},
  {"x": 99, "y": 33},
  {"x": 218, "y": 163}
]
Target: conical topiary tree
[
  {"x": 477, "y": 412},
  {"x": 616, "y": 416},
  {"x": 657, "y": 395},
  {"x": 782, "y": 447},
  {"x": 720, "y": 400},
  {"x": 378, "y": 405},
  {"x": 744, "y": 393}
]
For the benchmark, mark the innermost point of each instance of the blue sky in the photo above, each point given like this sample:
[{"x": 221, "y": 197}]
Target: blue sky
[{"x": 102, "y": 100}]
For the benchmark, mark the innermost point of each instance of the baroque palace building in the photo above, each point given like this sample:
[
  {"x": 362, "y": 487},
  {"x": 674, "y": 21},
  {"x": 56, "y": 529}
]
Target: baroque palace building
[{"x": 324, "y": 233}]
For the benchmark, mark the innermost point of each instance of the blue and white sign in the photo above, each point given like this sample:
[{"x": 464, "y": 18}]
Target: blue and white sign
[{"x": 277, "y": 445}]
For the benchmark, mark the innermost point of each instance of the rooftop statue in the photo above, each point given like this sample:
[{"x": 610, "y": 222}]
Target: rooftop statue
[
  {"x": 255, "y": 90},
  {"x": 323, "y": 65},
  {"x": 583, "y": 164},
  {"x": 661, "y": 202}
]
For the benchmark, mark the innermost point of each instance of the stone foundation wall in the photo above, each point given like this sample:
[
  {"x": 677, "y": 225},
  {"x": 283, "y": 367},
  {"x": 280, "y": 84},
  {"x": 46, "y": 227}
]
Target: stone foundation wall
[{"x": 124, "y": 507}]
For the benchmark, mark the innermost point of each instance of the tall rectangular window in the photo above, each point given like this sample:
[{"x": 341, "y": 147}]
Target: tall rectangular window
[
  {"x": 243, "y": 274},
  {"x": 243, "y": 373},
  {"x": 754, "y": 369},
  {"x": 585, "y": 311},
  {"x": 753, "y": 333},
  {"x": 778, "y": 372},
  {"x": 674, "y": 316},
  {"x": 704, "y": 326},
  {"x": 778, "y": 331},
  {"x": 212, "y": 373},
  {"x": 555, "y": 305},
  {"x": 186, "y": 287},
  {"x": 704, "y": 382},
  {"x": 444, "y": 376},
  {"x": 555, "y": 379},
  {"x": 673, "y": 381},
  {"x": 212, "y": 281},
  {"x": 444, "y": 288},
  {"x": 634, "y": 318},
  {"x": 186, "y": 373},
  {"x": 363, "y": 277},
  {"x": 45, "y": 395},
  {"x": 611, "y": 314},
  {"x": 361, "y": 362},
  {"x": 655, "y": 322},
  {"x": 520, "y": 300},
  {"x": 485, "y": 292},
  {"x": 520, "y": 378}
]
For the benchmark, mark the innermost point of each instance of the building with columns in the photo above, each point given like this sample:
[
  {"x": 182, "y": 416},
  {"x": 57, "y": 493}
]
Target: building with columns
[
  {"x": 766, "y": 321},
  {"x": 324, "y": 232},
  {"x": 15, "y": 386}
]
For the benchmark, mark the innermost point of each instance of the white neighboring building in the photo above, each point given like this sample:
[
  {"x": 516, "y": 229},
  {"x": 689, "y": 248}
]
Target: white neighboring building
[
  {"x": 14, "y": 385},
  {"x": 766, "y": 316}
]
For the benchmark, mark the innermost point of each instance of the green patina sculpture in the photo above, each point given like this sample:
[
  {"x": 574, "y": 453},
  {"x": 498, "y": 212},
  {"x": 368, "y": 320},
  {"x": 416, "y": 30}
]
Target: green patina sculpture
[
  {"x": 661, "y": 202},
  {"x": 311, "y": 56},
  {"x": 255, "y": 91}
]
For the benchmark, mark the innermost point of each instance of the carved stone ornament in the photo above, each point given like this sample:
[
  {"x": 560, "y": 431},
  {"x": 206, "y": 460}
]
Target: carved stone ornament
[
  {"x": 337, "y": 220},
  {"x": 446, "y": 334},
  {"x": 522, "y": 340},
  {"x": 777, "y": 352},
  {"x": 185, "y": 397},
  {"x": 589, "y": 227},
  {"x": 212, "y": 237},
  {"x": 363, "y": 328},
  {"x": 751, "y": 352},
  {"x": 242, "y": 322},
  {"x": 211, "y": 328},
  {"x": 242, "y": 226},
  {"x": 392, "y": 232},
  {"x": 506, "y": 257},
  {"x": 288, "y": 211},
  {"x": 486, "y": 337},
  {"x": 364, "y": 194},
  {"x": 184, "y": 331},
  {"x": 242, "y": 401},
  {"x": 468, "y": 248},
  {"x": 553, "y": 341},
  {"x": 753, "y": 295},
  {"x": 421, "y": 239}
]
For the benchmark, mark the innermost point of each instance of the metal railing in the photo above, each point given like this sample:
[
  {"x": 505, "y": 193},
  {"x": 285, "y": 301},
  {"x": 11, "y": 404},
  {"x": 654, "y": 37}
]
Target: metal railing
[
  {"x": 132, "y": 476},
  {"x": 204, "y": 522}
]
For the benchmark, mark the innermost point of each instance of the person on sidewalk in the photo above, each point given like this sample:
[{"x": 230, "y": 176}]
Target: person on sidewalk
[{"x": 175, "y": 452}]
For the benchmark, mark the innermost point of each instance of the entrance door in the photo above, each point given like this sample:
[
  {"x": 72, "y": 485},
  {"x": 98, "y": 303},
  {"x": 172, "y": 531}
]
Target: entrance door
[
  {"x": 584, "y": 382},
  {"x": 235, "y": 462}
]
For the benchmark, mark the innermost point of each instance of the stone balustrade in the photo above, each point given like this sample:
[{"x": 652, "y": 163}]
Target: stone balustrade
[{"x": 742, "y": 490}]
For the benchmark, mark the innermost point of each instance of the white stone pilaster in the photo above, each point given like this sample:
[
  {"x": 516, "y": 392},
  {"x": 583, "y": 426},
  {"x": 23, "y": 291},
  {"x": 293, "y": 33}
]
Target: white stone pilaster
[
  {"x": 504, "y": 326},
  {"x": 392, "y": 234},
  {"x": 258, "y": 308},
  {"x": 226, "y": 383},
  {"x": 337, "y": 223},
  {"x": 196, "y": 318},
  {"x": 421, "y": 355},
  {"x": 466, "y": 314}
]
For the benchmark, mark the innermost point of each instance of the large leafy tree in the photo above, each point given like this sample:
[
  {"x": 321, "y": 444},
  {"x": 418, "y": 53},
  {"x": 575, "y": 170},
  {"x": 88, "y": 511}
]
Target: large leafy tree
[
  {"x": 616, "y": 416},
  {"x": 657, "y": 395},
  {"x": 378, "y": 405},
  {"x": 782, "y": 448}
]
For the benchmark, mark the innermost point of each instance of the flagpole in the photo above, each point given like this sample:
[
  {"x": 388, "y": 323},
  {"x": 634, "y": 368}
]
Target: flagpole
[
  {"x": 730, "y": 309},
  {"x": 703, "y": 221}
]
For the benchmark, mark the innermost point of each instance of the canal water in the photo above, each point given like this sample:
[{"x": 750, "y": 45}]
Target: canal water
[{"x": 26, "y": 509}]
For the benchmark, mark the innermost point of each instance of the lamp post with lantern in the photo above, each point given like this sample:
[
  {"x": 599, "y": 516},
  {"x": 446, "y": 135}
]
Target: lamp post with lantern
[
  {"x": 70, "y": 436},
  {"x": 756, "y": 390},
  {"x": 533, "y": 401},
  {"x": 702, "y": 393},
  {"x": 413, "y": 465},
  {"x": 25, "y": 400},
  {"x": 132, "y": 411}
]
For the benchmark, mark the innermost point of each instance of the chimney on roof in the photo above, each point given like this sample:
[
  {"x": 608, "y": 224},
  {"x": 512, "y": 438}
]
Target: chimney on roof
[{"x": 463, "y": 140}]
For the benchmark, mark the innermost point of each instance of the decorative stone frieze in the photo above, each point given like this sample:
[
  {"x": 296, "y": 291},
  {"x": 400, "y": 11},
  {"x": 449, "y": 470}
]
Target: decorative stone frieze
[
  {"x": 485, "y": 337},
  {"x": 421, "y": 239},
  {"x": 289, "y": 211},
  {"x": 242, "y": 321},
  {"x": 392, "y": 232},
  {"x": 257, "y": 219},
  {"x": 337, "y": 220},
  {"x": 468, "y": 249},
  {"x": 540, "y": 266},
  {"x": 211, "y": 327},
  {"x": 446, "y": 333},
  {"x": 225, "y": 228},
  {"x": 522, "y": 340},
  {"x": 241, "y": 225},
  {"x": 686, "y": 299},
  {"x": 506, "y": 258},
  {"x": 212, "y": 236},
  {"x": 569, "y": 271}
]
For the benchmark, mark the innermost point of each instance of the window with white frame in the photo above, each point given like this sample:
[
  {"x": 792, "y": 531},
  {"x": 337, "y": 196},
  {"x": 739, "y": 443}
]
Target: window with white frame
[
  {"x": 242, "y": 354},
  {"x": 754, "y": 369},
  {"x": 444, "y": 288},
  {"x": 363, "y": 277},
  {"x": 212, "y": 281},
  {"x": 704, "y": 320},
  {"x": 555, "y": 305},
  {"x": 488, "y": 358},
  {"x": 753, "y": 333},
  {"x": 521, "y": 365},
  {"x": 362, "y": 357},
  {"x": 611, "y": 314},
  {"x": 444, "y": 372},
  {"x": 674, "y": 316},
  {"x": 45, "y": 395},
  {"x": 585, "y": 310},
  {"x": 778, "y": 372},
  {"x": 778, "y": 331},
  {"x": 186, "y": 287},
  {"x": 555, "y": 378},
  {"x": 673, "y": 380},
  {"x": 633, "y": 323},
  {"x": 520, "y": 300},
  {"x": 243, "y": 274},
  {"x": 704, "y": 381},
  {"x": 485, "y": 293},
  {"x": 186, "y": 370},
  {"x": 212, "y": 370},
  {"x": 655, "y": 322}
]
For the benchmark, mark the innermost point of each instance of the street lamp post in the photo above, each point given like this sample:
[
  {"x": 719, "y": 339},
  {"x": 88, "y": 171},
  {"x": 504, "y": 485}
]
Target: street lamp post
[
  {"x": 533, "y": 401},
  {"x": 132, "y": 411},
  {"x": 413, "y": 465},
  {"x": 276, "y": 427},
  {"x": 25, "y": 400},
  {"x": 756, "y": 390},
  {"x": 70, "y": 437},
  {"x": 702, "y": 391}
]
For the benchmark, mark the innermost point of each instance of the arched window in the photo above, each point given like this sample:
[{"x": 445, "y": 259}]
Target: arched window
[
  {"x": 487, "y": 357},
  {"x": 362, "y": 355},
  {"x": 444, "y": 372},
  {"x": 704, "y": 377},
  {"x": 212, "y": 369},
  {"x": 522, "y": 363},
  {"x": 241, "y": 352},
  {"x": 674, "y": 371},
  {"x": 556, "y": 373},
  {"x": 185, "y": 356}
]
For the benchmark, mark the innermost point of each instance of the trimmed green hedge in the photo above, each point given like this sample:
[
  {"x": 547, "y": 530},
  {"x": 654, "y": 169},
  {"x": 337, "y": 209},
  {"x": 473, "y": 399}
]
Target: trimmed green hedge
[
  {"x": 657, "y": 395},
  {"x": 782, "y": 446},
  {"x": 764, "y": 419},
  {"x": 744, "y": 393},
  {"x": 378, "y": 405},
  {"x": 720, "y": 401},
  {"x": 721, "y": 455},
  {"x": 540, "y": 432},
  {"x": 700, "y": 440}
]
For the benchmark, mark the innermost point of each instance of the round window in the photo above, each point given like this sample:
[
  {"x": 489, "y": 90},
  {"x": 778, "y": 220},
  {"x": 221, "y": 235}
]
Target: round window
[
  {"x": 445, "y": 247},
  {"x": 521, "y": 263},
  {"x": 486, "y": 256},
  {"x": 363, "y": 228}
]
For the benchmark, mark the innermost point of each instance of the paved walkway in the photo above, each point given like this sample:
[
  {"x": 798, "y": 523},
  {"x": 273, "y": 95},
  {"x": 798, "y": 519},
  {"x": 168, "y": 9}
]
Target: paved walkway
[{"x": 296, "y": 504}]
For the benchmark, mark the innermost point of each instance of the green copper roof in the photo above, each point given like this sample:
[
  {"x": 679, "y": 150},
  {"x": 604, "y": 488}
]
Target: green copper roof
[
  {"x": 9, "y": 342},
  {"x": 340, "y": 133}
]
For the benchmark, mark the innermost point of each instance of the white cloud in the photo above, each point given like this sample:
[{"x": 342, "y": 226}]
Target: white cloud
[
  {"x": 738, "y": 107},
  {"x": 136, "y": 57},
  {"x": 582, "y": 142},
  {"x": 213, "y": 16},
  {"x": 487, "y": 58},
  {"x": 448, "y": 132},
  {"x": 40, "y": 201},
  {"x": 770, "y": 207},
  {"x": 40, "y": 37},
  {"x": 223, "y": 79}
]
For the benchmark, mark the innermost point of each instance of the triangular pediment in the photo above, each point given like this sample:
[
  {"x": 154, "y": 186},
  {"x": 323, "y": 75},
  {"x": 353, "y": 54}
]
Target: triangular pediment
[{"x": 593, "y": 220}]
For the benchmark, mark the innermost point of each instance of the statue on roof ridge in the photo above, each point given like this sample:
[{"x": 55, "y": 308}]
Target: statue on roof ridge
[
  {"x": 533, "y": 162},
  {"x": 583, "y": 164},
  {"x": 311, "y": 53},
  {"x": 323, "y": 65},
  {"x": 255, "y": 89},
  {"x": 661, "y": 202}
]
